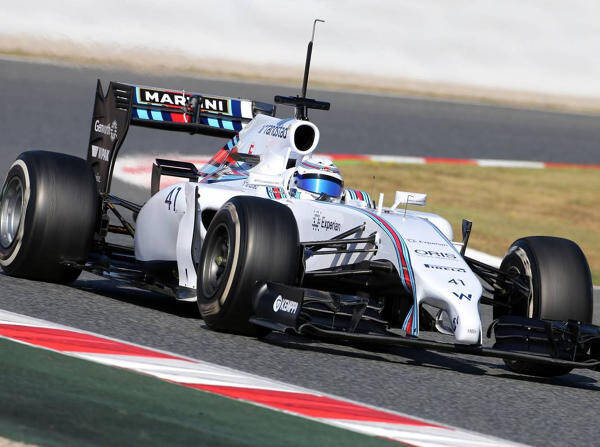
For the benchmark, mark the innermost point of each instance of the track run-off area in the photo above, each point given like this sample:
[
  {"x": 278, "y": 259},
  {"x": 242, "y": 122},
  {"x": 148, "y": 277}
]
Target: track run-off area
[{"x": 47, "y": 106}]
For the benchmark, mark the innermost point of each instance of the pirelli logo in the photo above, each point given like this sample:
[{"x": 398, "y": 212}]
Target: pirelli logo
[{"x": 181, "y": 99}]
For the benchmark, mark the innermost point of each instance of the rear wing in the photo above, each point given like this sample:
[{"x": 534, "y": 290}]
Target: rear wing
[{"x": 176, "y": 110}]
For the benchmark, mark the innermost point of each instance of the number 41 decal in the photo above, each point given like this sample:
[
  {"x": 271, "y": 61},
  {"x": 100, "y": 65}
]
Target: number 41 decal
[
  {"x": 170, "y": 195},
  {"x": 457, "y": 281}
]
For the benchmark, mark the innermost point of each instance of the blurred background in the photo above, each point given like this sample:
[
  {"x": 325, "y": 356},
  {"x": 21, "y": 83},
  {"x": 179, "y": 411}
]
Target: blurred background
[{"x": 540, "y": 51}]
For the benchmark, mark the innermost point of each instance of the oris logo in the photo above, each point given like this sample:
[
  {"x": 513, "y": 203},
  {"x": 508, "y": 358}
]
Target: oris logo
[
  {"x": 435, "y": 254},
  {"x": 109, "y": 130},
  {"x": 281, "y": 304}
]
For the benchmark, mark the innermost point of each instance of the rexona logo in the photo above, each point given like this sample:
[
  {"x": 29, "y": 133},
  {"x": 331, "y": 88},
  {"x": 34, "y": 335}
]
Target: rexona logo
[
  {"x": 100, "y": 153},
  {"x": 107, "y": 129},
  {"x": 436, "y": 254},
  {"x": 162, "y": 97},
  {"x": 444, "y": 267},
  {"x": 281, "y": 304}
]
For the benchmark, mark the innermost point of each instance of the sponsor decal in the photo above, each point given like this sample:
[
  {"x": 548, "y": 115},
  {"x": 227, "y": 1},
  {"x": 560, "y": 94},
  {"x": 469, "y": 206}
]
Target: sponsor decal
[
  {"x": 435, "y": 254},
  {"x": 281, "y": 304},
  {"x": 107, "y": 129},
  {"x": 215, "y": 105},
  {"x": 100, "y": 153},
  {"x": 162, "y": 98},
  {"x": 321, "y": 222},
  {"x": 457, "y": 281},
  {"x": 461, "y": 295},
  {"x": 248, "y": 185},
  {"x": 445, "y": 267},
  {"x": 418, "y": 241},
  {"x": 455, "y": 322},
  {"x": 274, "y": 131}
]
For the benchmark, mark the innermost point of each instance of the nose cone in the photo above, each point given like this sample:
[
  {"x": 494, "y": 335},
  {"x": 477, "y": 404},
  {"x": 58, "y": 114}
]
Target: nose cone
[{"x": 468, "y": 328}]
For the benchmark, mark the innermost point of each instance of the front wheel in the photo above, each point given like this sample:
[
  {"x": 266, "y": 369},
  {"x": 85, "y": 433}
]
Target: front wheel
[
  {"x": 560, "y": 288},
  {"x": 250, "y": 240}
]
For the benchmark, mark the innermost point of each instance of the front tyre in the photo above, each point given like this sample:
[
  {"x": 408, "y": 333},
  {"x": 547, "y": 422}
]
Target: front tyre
[
  {"x": 249, "y": 240},
  {"x": 560, "y": 288},
  {"x": 48, "y": 209}
]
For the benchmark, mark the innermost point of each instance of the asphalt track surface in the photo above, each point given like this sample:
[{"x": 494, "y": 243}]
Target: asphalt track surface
[{"x": 45, "y": 106}]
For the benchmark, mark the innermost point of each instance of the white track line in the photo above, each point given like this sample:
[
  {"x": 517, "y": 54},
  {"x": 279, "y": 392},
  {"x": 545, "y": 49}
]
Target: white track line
[{"x": 228, "y": 382}]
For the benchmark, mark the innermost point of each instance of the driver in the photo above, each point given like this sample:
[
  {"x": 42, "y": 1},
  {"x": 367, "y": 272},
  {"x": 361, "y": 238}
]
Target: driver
[{"x": 316, "y": 178}]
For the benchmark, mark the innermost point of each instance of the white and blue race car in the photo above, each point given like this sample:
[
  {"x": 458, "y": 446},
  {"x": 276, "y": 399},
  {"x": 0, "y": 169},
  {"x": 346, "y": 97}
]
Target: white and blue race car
[{"x": 266, "y": 236}]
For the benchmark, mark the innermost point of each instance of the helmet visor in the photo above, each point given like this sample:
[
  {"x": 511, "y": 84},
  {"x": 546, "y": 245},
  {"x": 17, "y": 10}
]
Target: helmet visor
[{"x": 320, "y": 184}]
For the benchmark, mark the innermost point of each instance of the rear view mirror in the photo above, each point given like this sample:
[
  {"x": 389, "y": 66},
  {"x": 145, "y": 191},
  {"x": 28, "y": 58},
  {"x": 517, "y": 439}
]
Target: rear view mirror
[{"x": 409, "y": 198}]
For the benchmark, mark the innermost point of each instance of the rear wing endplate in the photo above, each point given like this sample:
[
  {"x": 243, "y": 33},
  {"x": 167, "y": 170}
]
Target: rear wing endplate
[{"x": 176, "y": 110}]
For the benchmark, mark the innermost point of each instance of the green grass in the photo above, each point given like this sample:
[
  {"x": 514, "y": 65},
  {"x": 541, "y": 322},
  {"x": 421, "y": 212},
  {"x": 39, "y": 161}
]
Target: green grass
[
  {"x": 503, "y": 203},
  {"x": 55, "y": 400}
]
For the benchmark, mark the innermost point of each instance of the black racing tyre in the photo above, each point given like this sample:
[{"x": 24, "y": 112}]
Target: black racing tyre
[
  {"x": 48, "y": 212},
  {"x": 561, "y": 288},
  {"x": 250, "y": 239}
]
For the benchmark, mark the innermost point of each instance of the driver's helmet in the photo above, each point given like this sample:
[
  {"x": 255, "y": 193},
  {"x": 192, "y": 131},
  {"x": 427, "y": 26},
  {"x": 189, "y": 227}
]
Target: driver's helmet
[{"x": 316, "y": 178}]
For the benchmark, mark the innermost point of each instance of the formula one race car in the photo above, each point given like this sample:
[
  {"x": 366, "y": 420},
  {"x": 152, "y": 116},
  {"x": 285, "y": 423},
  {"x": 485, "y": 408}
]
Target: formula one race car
[{"x": 267, "y": 237}]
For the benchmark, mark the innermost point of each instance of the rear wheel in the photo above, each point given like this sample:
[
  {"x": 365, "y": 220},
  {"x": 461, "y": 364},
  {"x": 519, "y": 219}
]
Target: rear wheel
[
  {"x": 249, "y": 240},
  {"x": 560, "y": 288},
  {"x": 48, "y": 210}
]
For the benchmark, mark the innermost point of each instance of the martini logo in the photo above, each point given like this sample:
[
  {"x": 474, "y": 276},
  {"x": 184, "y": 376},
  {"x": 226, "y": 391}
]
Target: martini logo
[{"x": 180, "y": 99}]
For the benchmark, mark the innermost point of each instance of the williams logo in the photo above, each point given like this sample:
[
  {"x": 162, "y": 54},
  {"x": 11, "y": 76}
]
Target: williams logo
[
  {"x": 460, "y": 296},
  {"x": 281, "y": 304},
  {"x": 107, "y": 129}
]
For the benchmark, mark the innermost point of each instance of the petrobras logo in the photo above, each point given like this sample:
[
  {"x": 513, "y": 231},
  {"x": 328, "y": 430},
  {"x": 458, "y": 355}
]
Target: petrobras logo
[
  {"x": 100, "y": 153},
  {"x": 281, "y": 304},
  {"x": 107, "y": 129}
]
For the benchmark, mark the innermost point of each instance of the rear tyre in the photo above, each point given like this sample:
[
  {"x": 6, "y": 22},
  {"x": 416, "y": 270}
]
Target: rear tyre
[
  {"x": 249, "y": 240},
  {"x": 561, "y": 288},
  {"x": 48, "y": 209}
]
